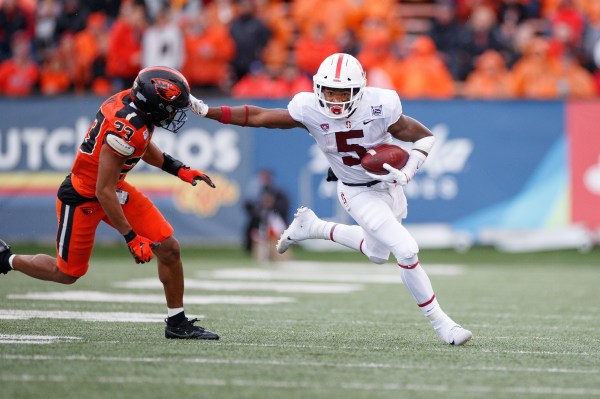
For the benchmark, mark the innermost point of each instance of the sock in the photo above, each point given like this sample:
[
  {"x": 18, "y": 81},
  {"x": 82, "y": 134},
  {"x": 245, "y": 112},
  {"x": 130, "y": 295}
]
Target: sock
[
  {"x": 346, "y": 235},
  {"x": 440, "y": 322},
  {"x": 418, "y": 284},
  {"x": 175, "y": 316}
]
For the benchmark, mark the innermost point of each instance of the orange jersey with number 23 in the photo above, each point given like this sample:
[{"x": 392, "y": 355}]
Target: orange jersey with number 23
[{"x": 124, "y": 130}]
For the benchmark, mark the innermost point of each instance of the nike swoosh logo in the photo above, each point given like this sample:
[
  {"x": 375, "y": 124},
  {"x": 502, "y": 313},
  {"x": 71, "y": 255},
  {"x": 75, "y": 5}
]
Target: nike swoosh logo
[{"x": 368, "y": 121}]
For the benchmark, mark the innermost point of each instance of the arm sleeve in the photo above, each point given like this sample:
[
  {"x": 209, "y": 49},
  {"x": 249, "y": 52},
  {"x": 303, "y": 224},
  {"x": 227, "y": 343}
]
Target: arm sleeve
[{"x": 295, "y": 107}]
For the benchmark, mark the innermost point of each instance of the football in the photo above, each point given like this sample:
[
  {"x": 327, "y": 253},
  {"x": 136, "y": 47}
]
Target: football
[{"x": 391, "y": 154}]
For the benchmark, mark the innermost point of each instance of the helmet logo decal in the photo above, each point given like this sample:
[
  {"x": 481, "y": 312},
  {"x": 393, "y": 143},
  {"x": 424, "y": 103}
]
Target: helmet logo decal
[
  {"x": 166, "y": 89},
  {"x": 140, "y": 96}
]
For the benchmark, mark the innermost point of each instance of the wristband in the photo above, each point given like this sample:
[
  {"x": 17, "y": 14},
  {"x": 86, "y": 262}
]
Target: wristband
[
  {"x": 225, "y": 114},
  {"x": 246, "y": 118},
  {"x": 129, "y": 236},
  {"x": 171, "y": 165}
]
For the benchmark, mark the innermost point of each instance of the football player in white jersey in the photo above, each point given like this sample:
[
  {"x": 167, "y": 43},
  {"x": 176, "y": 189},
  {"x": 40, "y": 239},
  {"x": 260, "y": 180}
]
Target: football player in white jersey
[{"x": 346, "y": 119}]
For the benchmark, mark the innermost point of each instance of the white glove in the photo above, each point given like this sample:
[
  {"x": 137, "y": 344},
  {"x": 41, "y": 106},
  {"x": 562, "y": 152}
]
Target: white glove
[
  {"x": 197, "y": 106},
  {"x": 395, "y": 176}
]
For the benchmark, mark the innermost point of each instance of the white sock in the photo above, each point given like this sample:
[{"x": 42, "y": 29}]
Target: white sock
[
  {"x": 10, "y": 261},
  {"x": 418, "y": 284},
  {"x": 173, "y": 311},
  {"x": 346, "y": 235}
]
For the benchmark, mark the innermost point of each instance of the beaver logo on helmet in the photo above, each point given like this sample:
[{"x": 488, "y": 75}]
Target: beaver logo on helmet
[
  {"x": 166, "y": 89},
  {"x": 162, "y": 94}
]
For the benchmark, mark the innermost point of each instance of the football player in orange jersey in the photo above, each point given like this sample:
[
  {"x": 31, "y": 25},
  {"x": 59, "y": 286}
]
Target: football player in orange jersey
[{"x": 96, "y": 190}]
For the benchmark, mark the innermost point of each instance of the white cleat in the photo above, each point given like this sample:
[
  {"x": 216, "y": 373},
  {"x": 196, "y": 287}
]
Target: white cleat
[
  {"x": 455, "y": 335},
  {"x": 305, "y": 225}
]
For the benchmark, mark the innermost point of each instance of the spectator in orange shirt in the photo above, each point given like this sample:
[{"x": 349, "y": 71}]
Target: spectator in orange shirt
[
  {"x": 572, "y": 80},
  {"x": 531, "y": 76},
  {"x": 208, "y": 51},
  {"x": 312, "y": 48},
  {"x": 545, "y": 72},
  {"x": 259, "y": 83},
  {"x": 423, "y": 73},
  {"x": 489, "y": 79},
  {"x": 123, "y": 60},
  {"x": 379, "y": 17},
  {"x": 271, "y": 82},
  {"x": 54, "y": 75},
  {"x": 379, "y": 61},
  {"x": 295, "y": 82},
  {"x": 335, "y": 16},
  {"x": 19, "y": 74},
  {"x": 89, "y": 45}
]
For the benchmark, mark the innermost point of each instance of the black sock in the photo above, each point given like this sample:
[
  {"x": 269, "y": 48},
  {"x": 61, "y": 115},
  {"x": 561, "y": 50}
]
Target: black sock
[{"x": 177, "y": 319}]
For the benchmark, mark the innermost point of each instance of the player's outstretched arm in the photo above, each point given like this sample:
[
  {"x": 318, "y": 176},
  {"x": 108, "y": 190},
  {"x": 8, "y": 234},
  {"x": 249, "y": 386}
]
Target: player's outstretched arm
[{"x": 245, "y": 115}]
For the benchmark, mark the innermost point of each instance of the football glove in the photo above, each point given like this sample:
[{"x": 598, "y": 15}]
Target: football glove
[
  {"x": 140, "y": 247},
  {"x": 190, "y": 176},
  {"x": 399, "y": 176},
  {"x": 198, "y": 107}
]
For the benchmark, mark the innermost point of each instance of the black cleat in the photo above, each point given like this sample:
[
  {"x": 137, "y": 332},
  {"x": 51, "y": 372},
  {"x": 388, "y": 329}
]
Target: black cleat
[
  {"x": 4, "y": 255},
  {"x": 187, "y": 330}
]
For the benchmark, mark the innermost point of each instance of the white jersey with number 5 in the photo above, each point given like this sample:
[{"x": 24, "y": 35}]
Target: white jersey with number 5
[{"x": 344, "y": 141}]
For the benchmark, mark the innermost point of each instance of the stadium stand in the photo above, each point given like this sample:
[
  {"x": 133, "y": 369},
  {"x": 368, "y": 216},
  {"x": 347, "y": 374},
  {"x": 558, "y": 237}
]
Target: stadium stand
[{"x": 78, "y": 46}]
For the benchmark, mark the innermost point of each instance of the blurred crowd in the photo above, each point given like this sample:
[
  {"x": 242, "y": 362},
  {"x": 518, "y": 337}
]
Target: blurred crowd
[{"x": 271, "y": 48}]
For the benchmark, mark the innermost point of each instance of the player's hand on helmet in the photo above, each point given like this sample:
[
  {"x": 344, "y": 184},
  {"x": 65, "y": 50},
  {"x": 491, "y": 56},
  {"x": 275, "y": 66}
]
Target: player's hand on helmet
[
  {"x": 191, "y": 176},
  {"x": 197, "y": 106},
  {"x": 398, "y": 176},
  {"x": 140, "y": 247}
]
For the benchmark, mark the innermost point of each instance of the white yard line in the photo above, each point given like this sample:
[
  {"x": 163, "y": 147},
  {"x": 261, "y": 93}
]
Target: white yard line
[
  {"x": 230, "y": 285},
  {"x": 295, "y": 363},
  {"x": 329, "y": 272},
  {"x": 358, "y": 385},
  {"x": 33, "y": 339},
  {"x": 15, "y": 314},
  {"x": 436, "y": 349},
  {"x": 95, "y": 296}
]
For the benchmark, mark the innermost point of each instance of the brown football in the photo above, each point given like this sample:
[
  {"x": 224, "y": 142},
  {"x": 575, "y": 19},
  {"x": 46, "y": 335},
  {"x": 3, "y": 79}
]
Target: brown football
[{"x": 391, "y": 154}]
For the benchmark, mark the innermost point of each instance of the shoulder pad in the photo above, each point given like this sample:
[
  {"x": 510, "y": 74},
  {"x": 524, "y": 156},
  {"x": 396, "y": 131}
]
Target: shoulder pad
[{"x": 118, "y": 145}]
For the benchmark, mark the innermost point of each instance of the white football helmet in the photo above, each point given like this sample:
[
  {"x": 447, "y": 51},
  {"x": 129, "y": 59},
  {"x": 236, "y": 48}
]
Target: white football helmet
[{"x": 339, "y": 71}]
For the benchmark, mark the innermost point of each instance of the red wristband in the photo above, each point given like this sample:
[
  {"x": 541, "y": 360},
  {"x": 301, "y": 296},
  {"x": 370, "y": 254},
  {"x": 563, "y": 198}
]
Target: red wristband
[
  {"x": 225, "y": 114},
  {"x": 246, "y": 118}
]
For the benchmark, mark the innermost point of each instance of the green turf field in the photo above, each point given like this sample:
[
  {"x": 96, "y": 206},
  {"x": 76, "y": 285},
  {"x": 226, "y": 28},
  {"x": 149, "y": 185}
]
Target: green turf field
[{"x": 324, "y": 326}]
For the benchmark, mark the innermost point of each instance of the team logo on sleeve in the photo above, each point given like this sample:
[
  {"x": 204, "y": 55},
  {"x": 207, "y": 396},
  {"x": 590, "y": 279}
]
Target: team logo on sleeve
[
  {"x": 376, "y": 110},
  {"x": 325, "y": 127},
  {"x": 166, "y": 89}
]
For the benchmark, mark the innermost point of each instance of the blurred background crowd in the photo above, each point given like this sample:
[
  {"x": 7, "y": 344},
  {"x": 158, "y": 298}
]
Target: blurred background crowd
[{"x": 541, "y": 49}]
